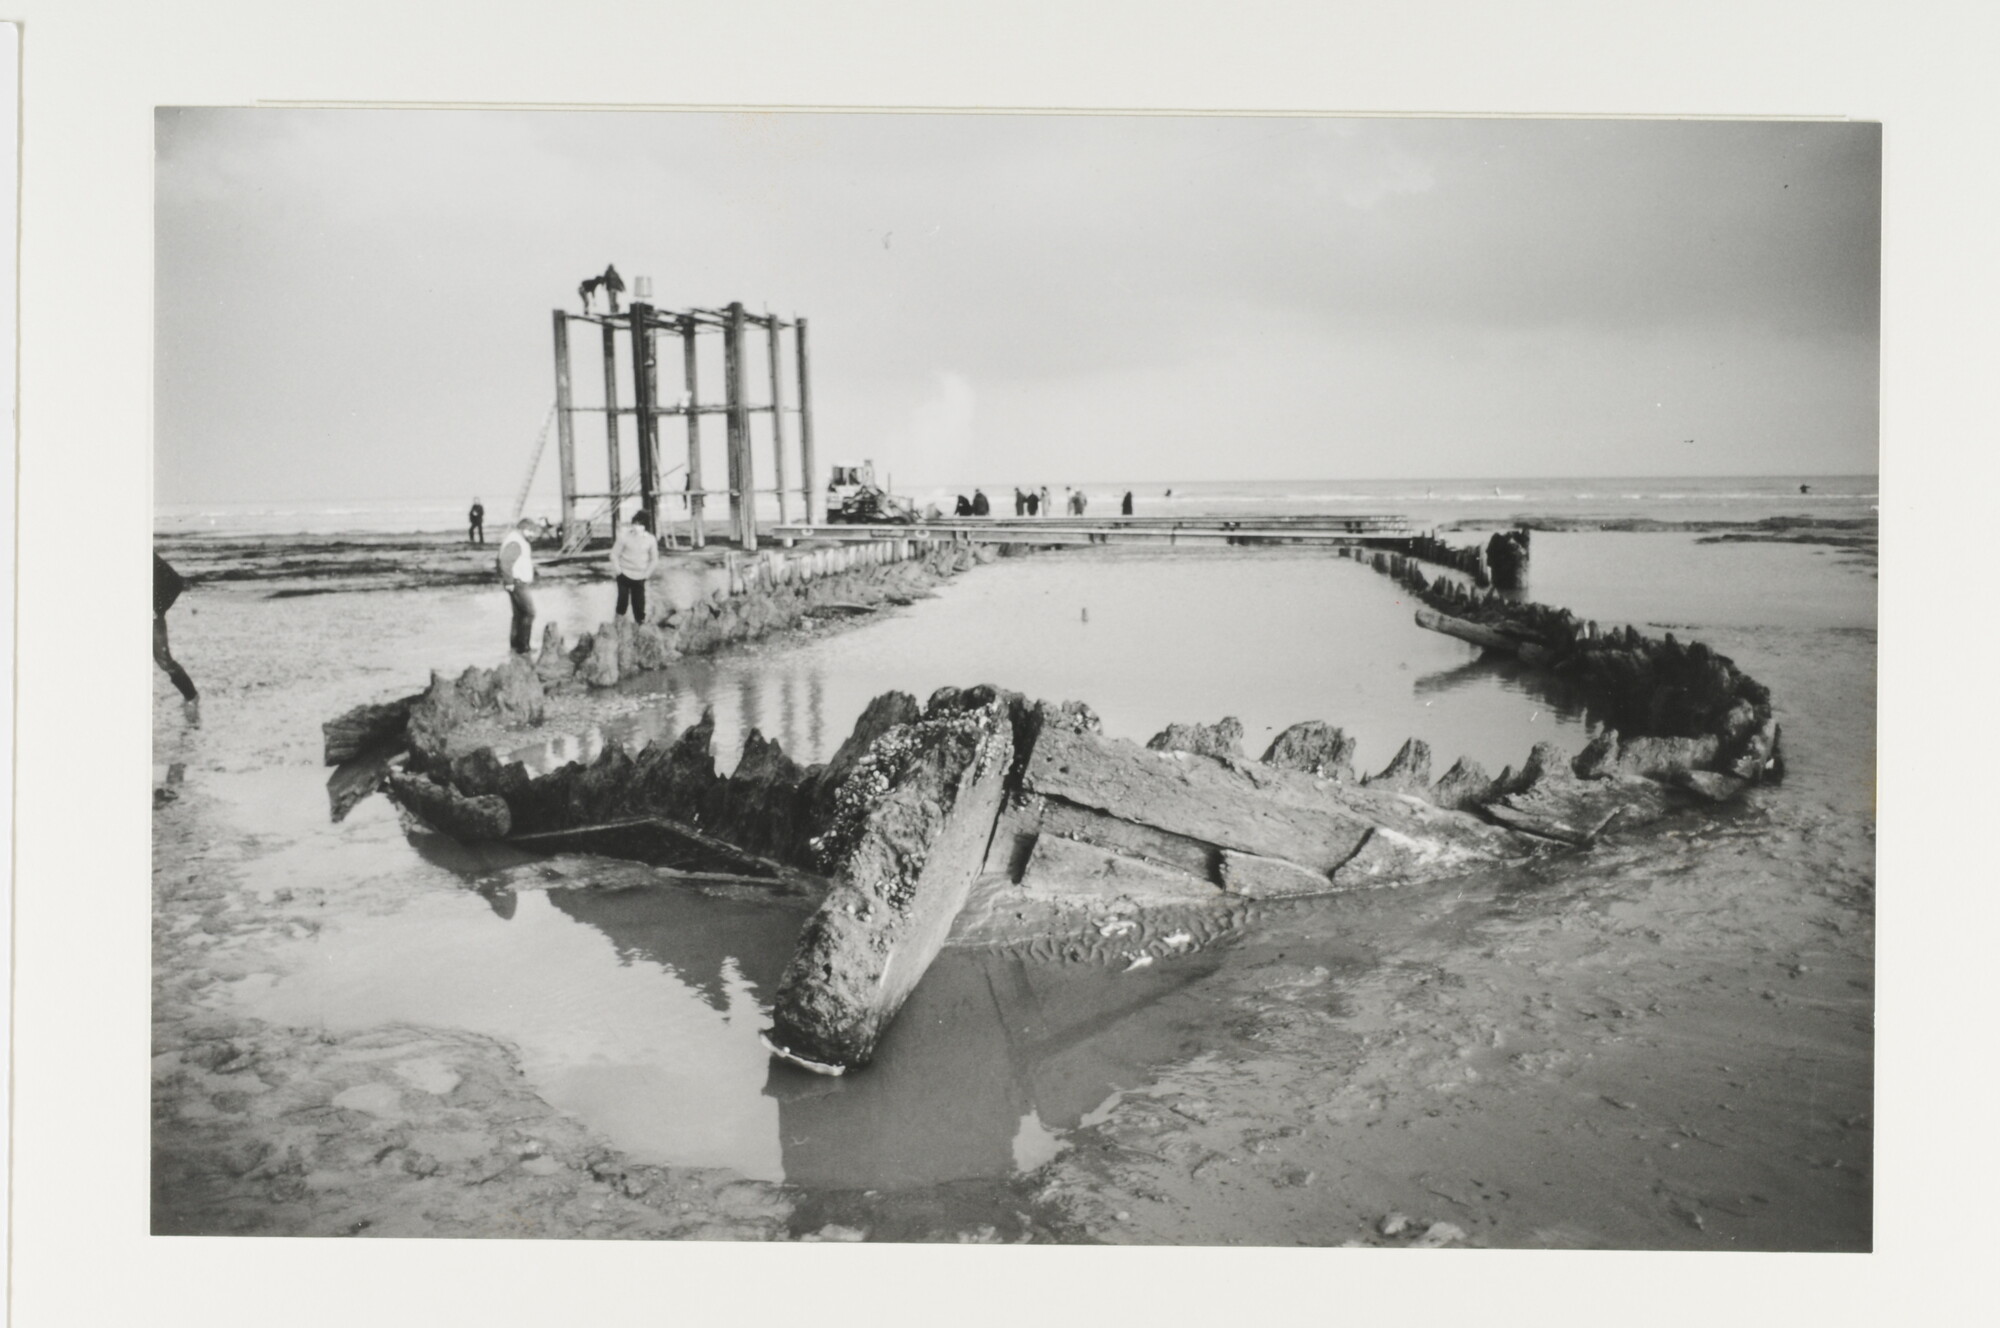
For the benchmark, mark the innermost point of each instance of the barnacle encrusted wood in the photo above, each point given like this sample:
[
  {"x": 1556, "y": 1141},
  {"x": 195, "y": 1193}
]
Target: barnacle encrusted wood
[{"x": 904, "y": 844}]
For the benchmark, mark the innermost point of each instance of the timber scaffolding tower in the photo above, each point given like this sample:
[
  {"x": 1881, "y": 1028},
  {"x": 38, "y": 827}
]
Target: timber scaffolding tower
[{"x": 640, "y": 329}]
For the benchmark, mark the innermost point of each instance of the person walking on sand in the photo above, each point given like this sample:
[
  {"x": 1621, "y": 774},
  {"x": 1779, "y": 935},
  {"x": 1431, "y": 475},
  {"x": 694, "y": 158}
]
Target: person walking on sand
[
  {"x": 517, "y": 573},
  {"x": 1034, "y": 503},
  {"x": 167, "y": 587},
  {"x": 1020, "y": 502},
  {"x": 1048, "y": 508},
  {"x": 475, "y": 523},
  {"x": 633, "y": 556},
  {"x": 1125, "y": 507}
]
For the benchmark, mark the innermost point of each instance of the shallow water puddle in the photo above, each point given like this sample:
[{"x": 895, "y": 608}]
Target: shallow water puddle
[
  {"x": 1146, "y": 640},
  {"x": 639, "y": 1010}
]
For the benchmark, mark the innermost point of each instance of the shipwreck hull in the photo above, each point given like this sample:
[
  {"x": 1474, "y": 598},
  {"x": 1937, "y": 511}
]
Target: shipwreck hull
[{"x": 1024, "y": 809}]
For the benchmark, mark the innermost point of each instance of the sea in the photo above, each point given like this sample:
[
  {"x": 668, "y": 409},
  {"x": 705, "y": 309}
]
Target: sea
[{"x": 1426, "y": 502}]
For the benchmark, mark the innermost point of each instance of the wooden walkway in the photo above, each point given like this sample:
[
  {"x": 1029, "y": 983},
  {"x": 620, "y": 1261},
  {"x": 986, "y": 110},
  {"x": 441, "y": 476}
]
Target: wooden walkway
[{"x": 1357, "y": 528}]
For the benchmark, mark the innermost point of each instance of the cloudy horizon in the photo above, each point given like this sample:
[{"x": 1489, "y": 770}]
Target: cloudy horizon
[{"x": 354, "y": 304}]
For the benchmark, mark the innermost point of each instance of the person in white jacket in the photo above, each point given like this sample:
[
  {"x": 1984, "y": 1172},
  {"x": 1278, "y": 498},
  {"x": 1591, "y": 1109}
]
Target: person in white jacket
[
  {"x": 633, "y": 556},
  {"x": 516, "y": 561}
]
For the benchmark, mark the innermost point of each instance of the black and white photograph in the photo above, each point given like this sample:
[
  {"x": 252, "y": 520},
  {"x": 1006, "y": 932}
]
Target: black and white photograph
[
  {"x": 1177, "y": 680},
  {"x": 1000, "y": 664}
]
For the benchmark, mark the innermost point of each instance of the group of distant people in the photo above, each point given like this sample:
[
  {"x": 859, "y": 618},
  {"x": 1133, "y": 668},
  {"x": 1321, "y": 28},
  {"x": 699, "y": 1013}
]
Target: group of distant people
[{"x": 1036, "y": 502}]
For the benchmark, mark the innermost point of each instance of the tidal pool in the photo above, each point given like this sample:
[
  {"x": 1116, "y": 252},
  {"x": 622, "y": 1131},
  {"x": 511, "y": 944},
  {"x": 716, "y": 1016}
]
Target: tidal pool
[{"x": 636, "y": 1005}]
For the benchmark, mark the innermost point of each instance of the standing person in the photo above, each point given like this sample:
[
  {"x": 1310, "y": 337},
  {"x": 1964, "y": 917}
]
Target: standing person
[
  {"x": 1020, "y": 502},
  {"x": 1048, "y": 508},
  {"x": 167, "y": 587},
  {"x": 1034, "y": 503},
  {"x": 1125, "y": 507},
  {"x": 517, "y": 573},
  {"x": 633, "y": 557},
  {"x": 475, "y": 522},
  {"x": 980, "y": 505}
]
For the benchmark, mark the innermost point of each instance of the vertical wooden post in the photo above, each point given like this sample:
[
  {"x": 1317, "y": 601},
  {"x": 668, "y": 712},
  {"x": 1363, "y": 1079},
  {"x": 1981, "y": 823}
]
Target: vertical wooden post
[
  {"x": 649, "y": 464},
  {"x": 742, "y": 475},
  {"x": 771, "y": 326},
  {"x": 808, "y": 477},
  {"x": 611, "y": 442},
  {"x": 642, "y": 396},
  {"x": 565, "y": 441},
  {"x": 697, "y": 502}
]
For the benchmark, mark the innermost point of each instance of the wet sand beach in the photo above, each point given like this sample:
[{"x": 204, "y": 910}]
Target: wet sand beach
[{"x": 363, "y": 1028}]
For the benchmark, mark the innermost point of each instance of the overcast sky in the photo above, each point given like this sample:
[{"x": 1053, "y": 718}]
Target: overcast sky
[{"x": 355, "y": 304}]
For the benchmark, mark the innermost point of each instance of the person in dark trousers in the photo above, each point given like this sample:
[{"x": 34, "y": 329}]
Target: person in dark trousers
[
  {"x": 1125, "y": 507},
  {"x": 980, "y": 505},
  {"x": 1034, "y": 503},
  {"x": 167, "y": 587},
  {"x": 517, "y": 572},
  {"x": 1020, "y": 502},
  {"x": 633, "y": 557},
  {"x": 475, "y": 522}
]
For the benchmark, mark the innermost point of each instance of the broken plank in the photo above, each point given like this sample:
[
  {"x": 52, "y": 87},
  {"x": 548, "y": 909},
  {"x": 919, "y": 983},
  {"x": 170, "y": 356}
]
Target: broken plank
[
  {"x": 1469, "y": 632},
  {"x": 661, "y": 842},
  {"x": 1276, "y": 814}
]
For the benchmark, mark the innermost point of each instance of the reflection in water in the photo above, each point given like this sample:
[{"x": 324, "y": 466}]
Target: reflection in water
[
  {"x": 1167, "y": 639},
  {"x": 467, "y": 861},
  {"x": 501, "y": 900},
  {"x": 985, "y": 1044},
  {"x": 1505, "y": 673}
]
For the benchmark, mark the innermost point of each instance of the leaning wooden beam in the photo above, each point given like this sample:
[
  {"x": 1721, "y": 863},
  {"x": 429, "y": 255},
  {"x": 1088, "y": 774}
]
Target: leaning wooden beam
[{"x": 907, "y": 838}]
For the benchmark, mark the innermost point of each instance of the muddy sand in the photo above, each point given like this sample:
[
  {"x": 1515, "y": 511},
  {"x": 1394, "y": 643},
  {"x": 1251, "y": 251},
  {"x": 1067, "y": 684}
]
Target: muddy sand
[{"x": 1666, "y": 1044}]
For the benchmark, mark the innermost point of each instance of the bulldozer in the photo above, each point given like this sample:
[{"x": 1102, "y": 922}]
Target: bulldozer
[{"x": 853, "y": 497}]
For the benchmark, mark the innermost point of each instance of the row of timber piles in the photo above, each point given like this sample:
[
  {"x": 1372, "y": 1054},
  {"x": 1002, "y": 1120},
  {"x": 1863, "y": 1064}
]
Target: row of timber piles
[
  {"x": 1503, "y": 562},
  {"x": 760, "y": 593},
  {"x": 1668, "y": 709},
  {"x": 767, "y": 592}
]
